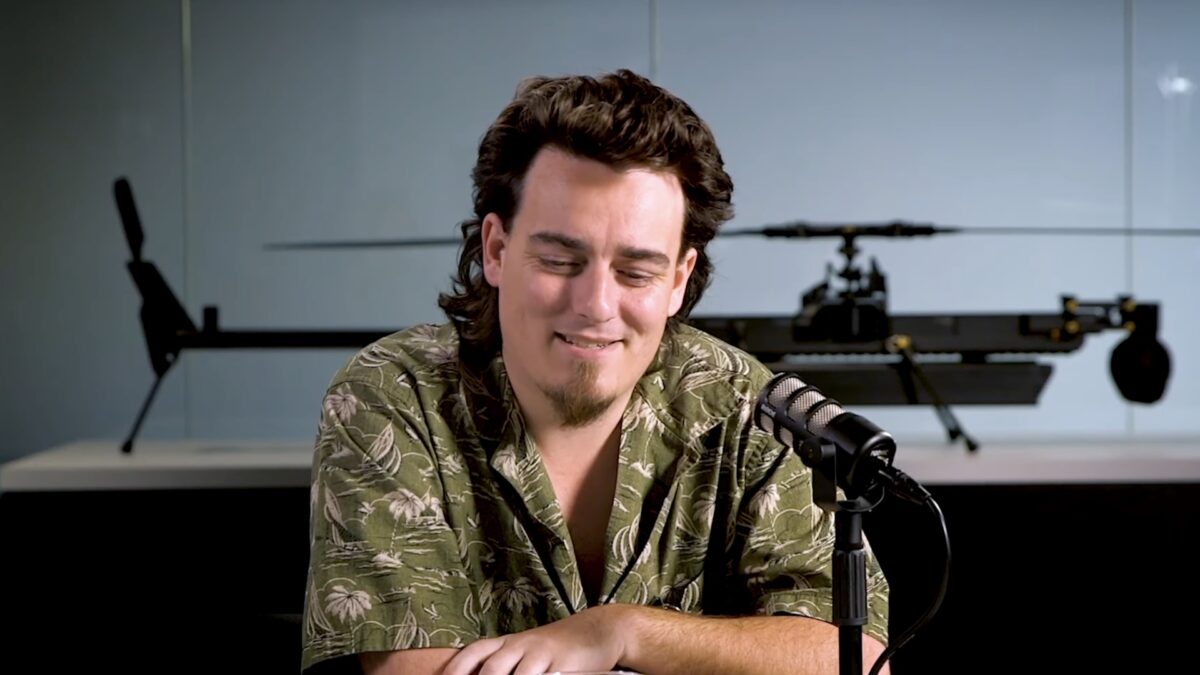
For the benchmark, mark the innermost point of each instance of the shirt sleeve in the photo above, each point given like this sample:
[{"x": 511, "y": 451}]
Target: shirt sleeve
[
  {"x": 786, "y": 542},
  {"x": 385, "y": 569}
]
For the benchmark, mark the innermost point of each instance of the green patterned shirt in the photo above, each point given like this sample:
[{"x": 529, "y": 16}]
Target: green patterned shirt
[{"x": 434, "y": 522}]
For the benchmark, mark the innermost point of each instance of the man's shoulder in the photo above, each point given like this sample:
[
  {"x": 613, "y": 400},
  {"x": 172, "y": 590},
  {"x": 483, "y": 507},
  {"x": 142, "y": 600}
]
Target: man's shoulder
[
  {"x": 703, "y": 380},
  {"x": 696, "y": 351},
  {"x": 426, "y": 354}
]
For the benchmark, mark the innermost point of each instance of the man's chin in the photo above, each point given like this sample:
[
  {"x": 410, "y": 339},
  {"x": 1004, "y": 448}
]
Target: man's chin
[{"x": 578, "y": 407}]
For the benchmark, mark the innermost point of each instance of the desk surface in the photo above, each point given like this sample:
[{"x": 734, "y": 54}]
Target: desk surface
[{"x": 99, "y": 465}]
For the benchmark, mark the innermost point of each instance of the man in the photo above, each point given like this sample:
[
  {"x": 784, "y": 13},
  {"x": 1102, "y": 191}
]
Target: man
[{"x": 565, "y": 478}]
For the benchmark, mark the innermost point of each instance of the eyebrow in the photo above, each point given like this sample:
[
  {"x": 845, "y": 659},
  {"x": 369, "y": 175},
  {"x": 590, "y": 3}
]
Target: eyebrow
[{"x": 577, "y": 245}]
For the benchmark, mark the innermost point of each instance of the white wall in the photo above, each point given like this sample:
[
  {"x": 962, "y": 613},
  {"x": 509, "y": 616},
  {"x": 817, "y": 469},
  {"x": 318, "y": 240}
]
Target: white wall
[
  {"x": 355, "y": 120},
  {"x": 90, "y": 91}
]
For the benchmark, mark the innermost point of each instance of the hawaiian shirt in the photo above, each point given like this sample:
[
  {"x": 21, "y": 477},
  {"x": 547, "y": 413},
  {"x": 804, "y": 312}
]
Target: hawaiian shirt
[{"x": 434, "y": 522}]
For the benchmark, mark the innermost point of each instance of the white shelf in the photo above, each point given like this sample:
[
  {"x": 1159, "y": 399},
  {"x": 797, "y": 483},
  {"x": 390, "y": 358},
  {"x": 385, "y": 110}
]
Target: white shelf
[
  {"x": 100, "y": 465},
  {"x": 1165, "y": 460}
]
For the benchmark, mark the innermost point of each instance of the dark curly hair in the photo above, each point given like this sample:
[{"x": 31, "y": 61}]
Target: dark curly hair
[{"x": 620, "y": 119}]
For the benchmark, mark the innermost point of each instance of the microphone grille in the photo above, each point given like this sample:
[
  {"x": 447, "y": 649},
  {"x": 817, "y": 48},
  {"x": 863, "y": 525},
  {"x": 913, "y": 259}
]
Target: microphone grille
[
  {"x": 798, "y": 410},
  {"x": 821, "y": 419},
  {"x": 784, "y": 387}
]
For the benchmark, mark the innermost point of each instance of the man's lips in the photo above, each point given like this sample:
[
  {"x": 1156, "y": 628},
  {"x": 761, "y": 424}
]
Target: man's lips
[{"x": 586, "y": 341}]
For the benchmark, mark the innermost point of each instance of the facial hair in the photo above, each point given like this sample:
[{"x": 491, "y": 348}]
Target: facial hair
[{"x": 577, "y": 402}]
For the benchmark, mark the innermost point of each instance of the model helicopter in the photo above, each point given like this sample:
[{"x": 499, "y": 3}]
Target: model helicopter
[
  {"x": 844, "y": 317},
  {"x": 850, "y": 318}
]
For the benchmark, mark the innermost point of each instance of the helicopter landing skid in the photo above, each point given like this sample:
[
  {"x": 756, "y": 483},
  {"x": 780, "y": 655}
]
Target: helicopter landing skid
[{"x": 909, "y": 369}]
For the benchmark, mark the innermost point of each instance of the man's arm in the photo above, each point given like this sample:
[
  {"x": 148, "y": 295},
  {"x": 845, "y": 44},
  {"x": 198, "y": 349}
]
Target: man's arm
[
  {"x": 666, "y": 642},
  {"x": 663, "y": 642},
  {"x": 385, "y": 568},
  {"x": 407, "y": 662}
]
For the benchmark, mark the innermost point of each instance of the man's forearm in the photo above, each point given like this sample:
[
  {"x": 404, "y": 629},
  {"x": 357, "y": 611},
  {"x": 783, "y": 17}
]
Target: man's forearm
[{"x": 663, "y": 642}]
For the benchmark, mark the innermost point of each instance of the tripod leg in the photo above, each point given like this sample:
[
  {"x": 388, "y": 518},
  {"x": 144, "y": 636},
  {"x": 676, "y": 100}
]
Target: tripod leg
[{"x": 127, "y": 446}]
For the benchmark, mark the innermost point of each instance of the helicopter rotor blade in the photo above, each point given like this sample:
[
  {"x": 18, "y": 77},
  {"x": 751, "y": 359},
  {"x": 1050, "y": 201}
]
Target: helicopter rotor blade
[
  {"x": 794, "y": 230},
  {"x": 132, "y": 224},
  {"x": 363, "y": 243},
  {"x": 1137, "y": 231},
  {"x": 805, "y": 230}
]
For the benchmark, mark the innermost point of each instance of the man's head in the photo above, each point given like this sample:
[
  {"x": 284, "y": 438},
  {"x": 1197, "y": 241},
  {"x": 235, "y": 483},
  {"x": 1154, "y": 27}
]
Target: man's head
[{"x": 594, "y": 202}]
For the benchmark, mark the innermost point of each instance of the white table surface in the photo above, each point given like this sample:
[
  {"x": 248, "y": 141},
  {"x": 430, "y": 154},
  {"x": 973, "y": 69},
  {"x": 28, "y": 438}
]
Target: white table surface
[{"x": 100, "y": 465}]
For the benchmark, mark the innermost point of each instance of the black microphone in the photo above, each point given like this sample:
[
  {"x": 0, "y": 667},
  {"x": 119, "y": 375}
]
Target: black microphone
[{"x": 801, "y": 417}]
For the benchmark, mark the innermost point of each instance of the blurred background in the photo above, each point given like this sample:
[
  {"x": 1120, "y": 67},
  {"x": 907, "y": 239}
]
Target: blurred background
[{"x": 244, "y": 123}]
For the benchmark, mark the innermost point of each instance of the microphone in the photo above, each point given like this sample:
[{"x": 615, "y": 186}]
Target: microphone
[{"x": 801, "y": 417}]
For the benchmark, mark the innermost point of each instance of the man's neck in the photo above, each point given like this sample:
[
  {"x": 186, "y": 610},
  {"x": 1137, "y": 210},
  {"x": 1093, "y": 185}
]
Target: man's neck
[{"x": 582, "y": 464}]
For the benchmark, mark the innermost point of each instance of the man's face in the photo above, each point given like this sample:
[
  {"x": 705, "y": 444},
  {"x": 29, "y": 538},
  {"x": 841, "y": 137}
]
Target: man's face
[{"x": 588, "y": 274}]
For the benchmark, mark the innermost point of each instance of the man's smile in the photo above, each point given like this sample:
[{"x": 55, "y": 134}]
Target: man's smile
[{"x": 585, "y": 342}]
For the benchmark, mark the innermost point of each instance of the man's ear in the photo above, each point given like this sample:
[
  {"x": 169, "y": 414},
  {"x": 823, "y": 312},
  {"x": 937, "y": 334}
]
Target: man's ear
[
  {"x": 683, "y": 272},
  {"x": 495, "y": 241}
]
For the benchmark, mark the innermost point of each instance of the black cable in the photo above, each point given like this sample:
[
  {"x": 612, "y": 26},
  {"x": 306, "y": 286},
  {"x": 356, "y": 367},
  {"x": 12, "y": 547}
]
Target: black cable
[{"x": 911, "y": 631}]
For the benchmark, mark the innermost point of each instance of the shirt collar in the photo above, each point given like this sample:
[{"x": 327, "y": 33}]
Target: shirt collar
[{"x": 686, "y": 390}]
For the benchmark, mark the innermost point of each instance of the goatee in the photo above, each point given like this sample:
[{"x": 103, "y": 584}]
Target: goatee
[{"x": 576, "y": 402}]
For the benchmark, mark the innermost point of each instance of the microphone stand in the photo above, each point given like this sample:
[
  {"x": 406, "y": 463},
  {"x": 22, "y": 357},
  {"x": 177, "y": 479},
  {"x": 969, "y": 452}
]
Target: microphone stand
[{"x": 849, "y": 557}]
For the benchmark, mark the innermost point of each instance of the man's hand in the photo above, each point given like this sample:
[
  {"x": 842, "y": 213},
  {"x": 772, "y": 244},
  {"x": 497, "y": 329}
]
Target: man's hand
[{"x": 589, "y": 640}]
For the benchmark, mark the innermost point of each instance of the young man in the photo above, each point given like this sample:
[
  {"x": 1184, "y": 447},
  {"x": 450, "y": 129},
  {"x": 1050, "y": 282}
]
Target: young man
[{"x": 564, "y": 477}]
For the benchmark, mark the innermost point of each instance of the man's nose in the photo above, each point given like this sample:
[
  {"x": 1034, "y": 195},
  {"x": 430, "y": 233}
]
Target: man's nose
[{"x": 595, "y": 294}]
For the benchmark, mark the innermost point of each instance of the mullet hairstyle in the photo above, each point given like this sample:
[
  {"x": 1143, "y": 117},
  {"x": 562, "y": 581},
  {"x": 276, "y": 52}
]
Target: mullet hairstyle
[{"x": 620, "y": 119}]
